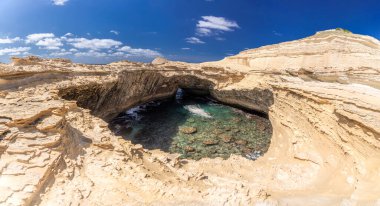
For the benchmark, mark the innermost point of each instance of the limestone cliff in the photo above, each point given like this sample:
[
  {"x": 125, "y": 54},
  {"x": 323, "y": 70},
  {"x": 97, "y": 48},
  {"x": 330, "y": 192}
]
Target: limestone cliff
[{"x": 321, "y": 94}]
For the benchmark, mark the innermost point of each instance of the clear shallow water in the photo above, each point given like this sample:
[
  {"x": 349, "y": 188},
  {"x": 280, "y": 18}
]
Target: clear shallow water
[{"x": 195, "y": 127}]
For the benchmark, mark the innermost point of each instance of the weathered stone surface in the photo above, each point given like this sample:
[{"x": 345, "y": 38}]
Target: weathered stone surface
[
  {"x": 321, "y": 94},
  {"x": 49, "y": 123},
  {"x": 159, "y": 60}
]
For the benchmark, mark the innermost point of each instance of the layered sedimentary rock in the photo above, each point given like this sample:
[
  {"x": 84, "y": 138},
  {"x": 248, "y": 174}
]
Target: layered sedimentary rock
[{"x": 320, "y": 93}]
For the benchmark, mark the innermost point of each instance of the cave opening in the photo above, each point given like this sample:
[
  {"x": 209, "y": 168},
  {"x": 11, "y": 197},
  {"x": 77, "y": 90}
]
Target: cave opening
[{"x": 195, "y": 125}]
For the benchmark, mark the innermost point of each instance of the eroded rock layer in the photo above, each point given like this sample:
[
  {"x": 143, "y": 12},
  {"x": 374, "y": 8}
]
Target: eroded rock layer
[{"x": 320, "y": 93}]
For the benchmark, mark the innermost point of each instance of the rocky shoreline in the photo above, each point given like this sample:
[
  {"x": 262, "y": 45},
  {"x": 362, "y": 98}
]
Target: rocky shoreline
[{"x": 56, "y": 147}]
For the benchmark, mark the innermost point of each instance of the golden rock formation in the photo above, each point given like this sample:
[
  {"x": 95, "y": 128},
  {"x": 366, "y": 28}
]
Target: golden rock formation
[{"x": 321, "y": 94}]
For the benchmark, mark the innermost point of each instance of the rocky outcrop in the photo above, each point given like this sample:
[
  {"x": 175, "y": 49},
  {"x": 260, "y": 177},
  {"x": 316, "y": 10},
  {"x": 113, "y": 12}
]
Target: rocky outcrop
[
  {"x": 320, "y": 93},
  {"x": 159, "y": 60}
]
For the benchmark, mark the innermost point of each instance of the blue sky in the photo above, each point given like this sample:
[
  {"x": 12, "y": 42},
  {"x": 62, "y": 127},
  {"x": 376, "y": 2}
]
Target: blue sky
[{"x": 102, "y": 31}]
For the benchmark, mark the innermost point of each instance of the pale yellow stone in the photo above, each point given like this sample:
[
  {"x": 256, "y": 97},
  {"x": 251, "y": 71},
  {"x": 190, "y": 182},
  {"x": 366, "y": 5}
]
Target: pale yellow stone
[
  {"x": 321, "y": 94},
  {"x": 49, "y": 123}
]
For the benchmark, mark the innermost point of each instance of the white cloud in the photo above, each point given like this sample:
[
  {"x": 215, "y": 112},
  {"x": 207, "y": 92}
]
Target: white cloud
[
  {"x": 277, "y": 33},
  {"x": 185, "y": 48},
  {"x": 59, "y": 54},
  {"x": 68, "y": 34},
  {"x": 125, "y": 51},
  {"x": 14, "y": 50},
  {"x": 204, "y": 32},
  {"x": 211, "y": 25},
  {"x": 115, "y": 32},
  {"x": 94, "y": 44},
  {"x": 32, "y": 38},
  {"x": 9, "y": 40},
  {"x": 91, "y": 53},
  {"x": 70, "y": 46},
  {"x": 50, "y": 43},
  {"x": 194, "y": 40},
  {"x": 129, "y": 51},
  {"x": 118, "y": 54},
  {"x": 59, "y": 2}
]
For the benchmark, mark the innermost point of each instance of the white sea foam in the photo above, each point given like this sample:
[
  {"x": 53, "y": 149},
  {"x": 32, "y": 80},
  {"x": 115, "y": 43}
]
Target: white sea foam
[
  {"x": 134, "y": 113},
  {"x": 195, "y": 109}
]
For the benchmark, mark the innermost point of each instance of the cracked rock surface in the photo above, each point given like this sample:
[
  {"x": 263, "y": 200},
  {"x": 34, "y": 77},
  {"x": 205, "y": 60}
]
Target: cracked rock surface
[{"x": 321, "y": 94}]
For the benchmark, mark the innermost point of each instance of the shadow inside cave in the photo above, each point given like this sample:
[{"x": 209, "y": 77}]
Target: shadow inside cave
[
  {"x": 220, "y": 130},
  {"x": 153, "y": 124},
  {"x": 166, "y": 124}
]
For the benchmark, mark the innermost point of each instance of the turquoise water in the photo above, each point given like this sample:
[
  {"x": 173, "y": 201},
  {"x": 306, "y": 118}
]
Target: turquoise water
[{"x": 195, "y": 127}]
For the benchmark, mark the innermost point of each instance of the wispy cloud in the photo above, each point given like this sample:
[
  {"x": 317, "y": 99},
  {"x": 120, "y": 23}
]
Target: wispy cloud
[
  {"x": 61, "y": 53},
  {"x": 123, "y": 52},
  {"x": 212, "y": 25},
  {"x": 277, "y": 33},
  {"x": 9, "y": 40},
  {"x": 150, "y": 33},
  {"x": 129, "y": 51},
  {"x": 59, "y": 2},
  {"x": 194, "y": 40},
  {"x": 91, "y": 53},
  {"x": 185, "y": 48},
  {"x": 68, "y": 34},
  {"x": 115, "y": 32},
  {"x": 14, "y": 50}
]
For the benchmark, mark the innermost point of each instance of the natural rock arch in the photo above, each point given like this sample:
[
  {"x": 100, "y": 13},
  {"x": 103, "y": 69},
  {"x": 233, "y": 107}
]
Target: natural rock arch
[{"x": 325, "y": 145}]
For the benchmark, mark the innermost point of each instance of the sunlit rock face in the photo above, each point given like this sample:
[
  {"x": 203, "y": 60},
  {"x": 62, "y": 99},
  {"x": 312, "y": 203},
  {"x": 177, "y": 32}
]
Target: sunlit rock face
[
  {"x": 159, "y": 60},
  {"x": 320, "y": 94}
]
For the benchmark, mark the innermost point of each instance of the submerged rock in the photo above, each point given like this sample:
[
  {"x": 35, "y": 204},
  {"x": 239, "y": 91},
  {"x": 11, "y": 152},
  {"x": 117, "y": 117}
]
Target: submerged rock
[
  {"x": 209, "y": 142},
  {"x": 188, "y": 130},
  {"x": 247, "y": 150},
  {"x": 226, "y": 138},
  {"x": 217, "y": 131},
  {"x": 261, "y": 126},
  {"x": 241, "y": 142},
  {"x": 227, "y": 129},
  {"x": 236, "y": 120},
  {"x": 189, "y": 149},
  {"x": 235, "y": 131}
]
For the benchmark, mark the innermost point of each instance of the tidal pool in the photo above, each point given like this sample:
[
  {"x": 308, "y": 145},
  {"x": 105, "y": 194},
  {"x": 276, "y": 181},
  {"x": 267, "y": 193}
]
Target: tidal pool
[{"x": 195, "y": 127}]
